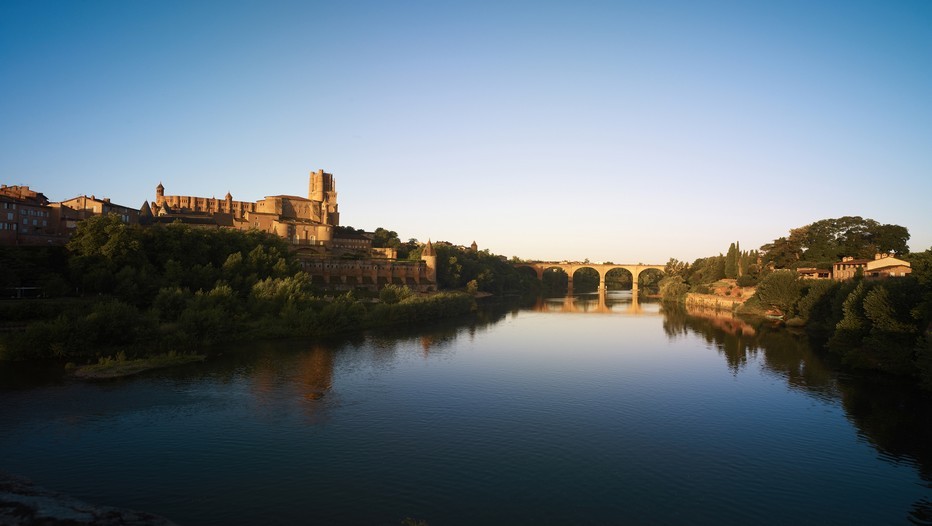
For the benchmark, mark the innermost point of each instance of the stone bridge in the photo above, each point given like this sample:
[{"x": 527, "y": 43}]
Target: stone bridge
[{"x": 602, "y": 268}]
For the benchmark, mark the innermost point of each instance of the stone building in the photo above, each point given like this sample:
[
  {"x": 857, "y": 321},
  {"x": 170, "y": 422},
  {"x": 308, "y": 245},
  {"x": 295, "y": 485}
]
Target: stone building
[
  {"x": 302, "y": 221},
  {"x": 28, "y": 218},
  {"x": 25, "y": 217},
  {"x": 68, "y": 213},
  {"x": 814, "y": 273},
  {"x": 882, "y": 266}
]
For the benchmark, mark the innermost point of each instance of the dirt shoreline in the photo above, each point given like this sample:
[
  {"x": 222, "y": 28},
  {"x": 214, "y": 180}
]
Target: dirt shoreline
[{"x": 121, "y": 368}]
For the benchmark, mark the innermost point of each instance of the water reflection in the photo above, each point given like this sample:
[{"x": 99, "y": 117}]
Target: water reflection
[
  {"x": 890, "y": 414},
  {"x": 405, "y": 401},
  {"x": 602, "y": 302}
]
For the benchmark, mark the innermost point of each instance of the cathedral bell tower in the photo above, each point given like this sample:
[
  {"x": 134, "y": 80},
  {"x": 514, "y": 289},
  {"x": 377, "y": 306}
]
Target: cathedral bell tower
[{"x": 322, "y": 189}]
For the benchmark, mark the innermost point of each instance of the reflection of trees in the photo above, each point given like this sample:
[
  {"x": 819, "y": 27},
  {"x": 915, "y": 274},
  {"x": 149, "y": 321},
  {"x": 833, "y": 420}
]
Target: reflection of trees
[
  {"x": 784, "y": 353},
  {"x": 896, "y": 419},
  {"x": 436, "y": 336}
]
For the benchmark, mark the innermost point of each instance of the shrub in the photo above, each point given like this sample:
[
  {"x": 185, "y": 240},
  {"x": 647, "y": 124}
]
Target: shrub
[
  {"x": 391, "y": 293},
  {"x": 170, "y": 302},
  {"x": 779, "y": 290}
]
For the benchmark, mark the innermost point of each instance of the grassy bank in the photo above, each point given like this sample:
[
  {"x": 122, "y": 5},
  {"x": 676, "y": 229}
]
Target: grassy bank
[{"x": 119, "y": 366}]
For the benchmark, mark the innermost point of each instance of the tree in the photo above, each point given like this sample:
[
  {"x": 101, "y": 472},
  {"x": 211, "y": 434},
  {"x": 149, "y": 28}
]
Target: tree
[
  {"x": 384, "y": 238},
  {"x": 783, "y": 252},
  {"x": 779, "y": 290},
  {"x": 823, "y": 242},
  {"x": 890, "y": 238},
  {"x": 672, "y": 287},
  {"x": 731, "y": 262},
  {"x": 675, "y": 267}
]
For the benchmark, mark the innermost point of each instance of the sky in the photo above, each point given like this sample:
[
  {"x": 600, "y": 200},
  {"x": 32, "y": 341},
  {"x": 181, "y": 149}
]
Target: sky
[{"x": 609, "y": 131}]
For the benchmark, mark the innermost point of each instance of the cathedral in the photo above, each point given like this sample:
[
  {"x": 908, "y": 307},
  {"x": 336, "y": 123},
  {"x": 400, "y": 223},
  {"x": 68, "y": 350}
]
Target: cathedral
[{"x": 302, "y": 221}]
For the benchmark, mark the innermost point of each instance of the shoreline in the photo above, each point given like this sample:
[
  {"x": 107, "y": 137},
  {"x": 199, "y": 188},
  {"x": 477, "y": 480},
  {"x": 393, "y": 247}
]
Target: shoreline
[{"x": 109, "y": 368}]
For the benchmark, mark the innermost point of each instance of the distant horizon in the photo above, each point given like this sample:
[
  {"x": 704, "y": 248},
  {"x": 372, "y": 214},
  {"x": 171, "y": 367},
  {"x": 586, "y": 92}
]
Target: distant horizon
[
  {"x": 454, "y": 242},
  {"x": 621, "y": 132}
]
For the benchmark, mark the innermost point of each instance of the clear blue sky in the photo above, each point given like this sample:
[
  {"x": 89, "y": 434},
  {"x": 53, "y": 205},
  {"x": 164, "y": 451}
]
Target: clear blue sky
[{"x": 623, "y": 131}]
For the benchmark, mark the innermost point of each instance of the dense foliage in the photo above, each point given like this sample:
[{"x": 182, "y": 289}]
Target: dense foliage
[
  {"x": 463, "y": 268},
  {"x": 883, "y": 325},
  {"x": 879, "y": 325},
  {"x": 822, "y": 243},
  {"x": 175, "y": 288},
  {"x": 680, "y": 278}
]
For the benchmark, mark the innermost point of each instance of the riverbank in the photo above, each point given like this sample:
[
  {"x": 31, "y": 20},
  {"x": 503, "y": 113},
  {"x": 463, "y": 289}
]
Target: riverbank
[
  {"x": 104, "y": 329},
  {"x": 119, "y": 366},
  {"x": 712, "y": 301},
  {"x": 23, "y": 503}
]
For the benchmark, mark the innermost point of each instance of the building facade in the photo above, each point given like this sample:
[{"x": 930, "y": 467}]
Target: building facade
[
  {"x": 302, "y": 221},
  {"x": 882, "y": 266},
  {"x": 26, "y": 218},
  {"x": 814, "y": 273}
]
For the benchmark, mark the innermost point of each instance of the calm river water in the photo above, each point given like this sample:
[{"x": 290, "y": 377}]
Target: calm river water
[{"x": 570, "y": 411}]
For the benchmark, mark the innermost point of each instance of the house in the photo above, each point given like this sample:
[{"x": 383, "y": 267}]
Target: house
[
  {"x": 26, "y": 217},
  {"x": 882, "y": 266},
  {"x": 814, "y": 273}
]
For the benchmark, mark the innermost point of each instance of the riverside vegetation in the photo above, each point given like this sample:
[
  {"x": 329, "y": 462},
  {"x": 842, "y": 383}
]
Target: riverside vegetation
[
  {"x": 130, "y": 292},
  {"x": 879, "y": 325}
]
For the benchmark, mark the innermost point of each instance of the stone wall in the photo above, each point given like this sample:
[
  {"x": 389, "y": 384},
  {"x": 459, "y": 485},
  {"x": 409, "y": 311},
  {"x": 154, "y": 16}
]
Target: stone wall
[{"x": 712, "y": 301}]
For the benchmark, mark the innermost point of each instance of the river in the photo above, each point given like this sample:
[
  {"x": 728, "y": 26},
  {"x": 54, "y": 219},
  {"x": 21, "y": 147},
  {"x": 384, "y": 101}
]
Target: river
[{"x": 567, "y": 411}]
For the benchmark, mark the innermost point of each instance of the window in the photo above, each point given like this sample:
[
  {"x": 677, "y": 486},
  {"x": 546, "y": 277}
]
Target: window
[{"x": 9, "y": 216}]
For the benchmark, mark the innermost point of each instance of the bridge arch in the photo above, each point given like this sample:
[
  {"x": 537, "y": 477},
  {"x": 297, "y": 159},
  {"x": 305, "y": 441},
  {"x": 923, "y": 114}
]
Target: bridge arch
[
  {"x": 650, "y": 279},
  {"x": 585, "y": 276},
  {"x": 601, "y": 268},
  {"x": 620, "y": 277}
]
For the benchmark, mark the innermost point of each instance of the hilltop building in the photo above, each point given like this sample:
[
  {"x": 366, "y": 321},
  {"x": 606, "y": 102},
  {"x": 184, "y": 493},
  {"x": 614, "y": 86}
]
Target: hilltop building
[
  {"x": 25, "y": 217},
  {"x": 814, "y": 273},
  {"x": 338, "y": 258},
  {"x": 882, "y": 266},
  {"x": 302, "y": 221},
  {"x": 28, "y": 218},
  {"x": 68, "y": 213}
]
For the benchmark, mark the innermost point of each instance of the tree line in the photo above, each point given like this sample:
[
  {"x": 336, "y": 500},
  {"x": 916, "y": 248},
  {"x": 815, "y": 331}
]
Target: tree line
[
  {"x": 883, "y": 325},
  {"x": 175, "y": 288}
]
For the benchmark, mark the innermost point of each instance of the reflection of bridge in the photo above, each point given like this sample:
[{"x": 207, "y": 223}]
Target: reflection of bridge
[
  {"x": 570, "y": 268},
  {"x": 589, "y": 305}
]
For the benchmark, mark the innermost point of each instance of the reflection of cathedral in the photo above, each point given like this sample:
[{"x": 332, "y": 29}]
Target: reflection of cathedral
[{"x": 302, "y": 221}]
